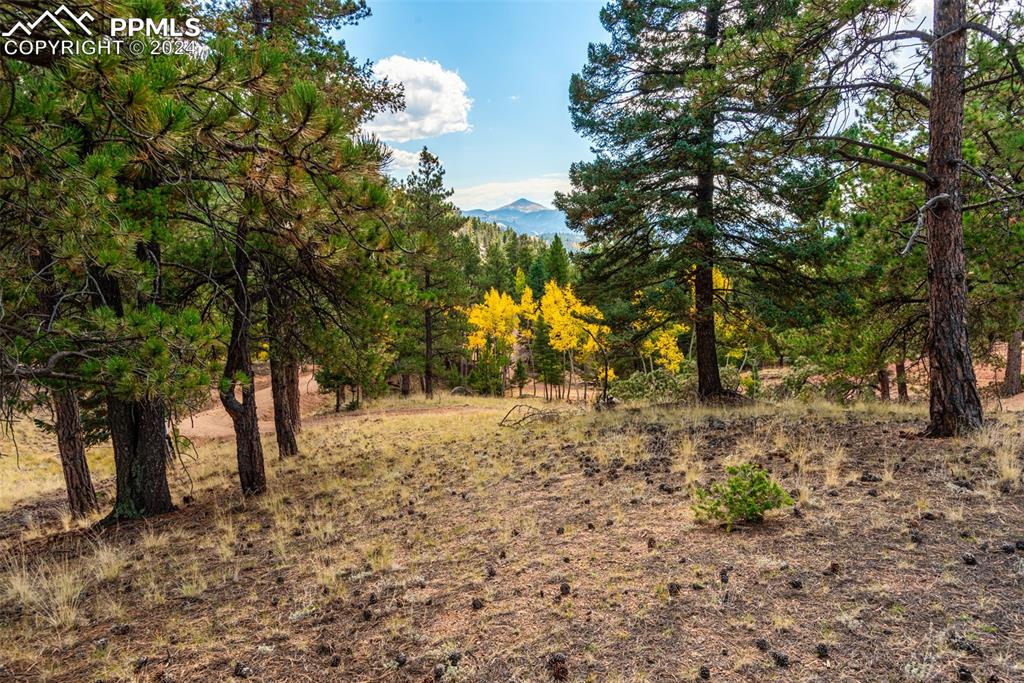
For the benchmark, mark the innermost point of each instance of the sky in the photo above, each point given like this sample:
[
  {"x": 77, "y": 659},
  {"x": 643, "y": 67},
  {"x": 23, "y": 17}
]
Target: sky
[{"x": 487, "y": 89}]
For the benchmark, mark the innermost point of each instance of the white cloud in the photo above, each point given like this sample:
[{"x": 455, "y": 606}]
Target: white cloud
[
  {"x": 435, "y": 101},
  {"x": 402, "y": 162},
  {"x": 492, "y": 195}
]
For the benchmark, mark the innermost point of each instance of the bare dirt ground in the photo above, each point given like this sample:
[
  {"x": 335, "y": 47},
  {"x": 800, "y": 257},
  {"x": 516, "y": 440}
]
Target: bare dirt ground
[{"x": 437, "y": 546}]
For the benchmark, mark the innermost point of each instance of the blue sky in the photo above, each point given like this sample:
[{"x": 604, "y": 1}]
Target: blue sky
[{"x": 487, "y": 84}]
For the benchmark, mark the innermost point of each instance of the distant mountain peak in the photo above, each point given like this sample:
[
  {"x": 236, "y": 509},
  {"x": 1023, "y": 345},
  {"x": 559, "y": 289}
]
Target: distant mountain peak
[
  {"x": 524, "y": 205},
  {"x": 528, "y": 218}
]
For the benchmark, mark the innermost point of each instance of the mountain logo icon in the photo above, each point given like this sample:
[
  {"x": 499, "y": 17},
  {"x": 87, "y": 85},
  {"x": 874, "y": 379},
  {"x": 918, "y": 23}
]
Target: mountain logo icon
[{"x": 69, "y": 18}]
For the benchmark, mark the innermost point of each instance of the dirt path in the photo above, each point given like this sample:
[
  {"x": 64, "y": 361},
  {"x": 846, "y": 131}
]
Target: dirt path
[{"x": 214, "y": 423}]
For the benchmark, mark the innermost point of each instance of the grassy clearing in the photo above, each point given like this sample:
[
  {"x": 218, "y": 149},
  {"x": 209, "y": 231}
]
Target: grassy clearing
[{"x": 416, "y": 540}]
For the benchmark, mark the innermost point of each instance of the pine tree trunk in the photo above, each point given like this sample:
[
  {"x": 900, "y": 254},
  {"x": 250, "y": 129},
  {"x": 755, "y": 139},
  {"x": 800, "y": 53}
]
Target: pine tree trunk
[
  {"x": 67, "y": 418},
  {"x": 248, "y": 448},
  {"x": 138, "y": 431},
  {"x": 138, "y": 428},
  {"x": 1012, "y": 379},
  {"x": 284, "y": 377},
  {"x": 901, "y": 381},
  {"x": 884, "y": 392},
  {"x": 71, "y": 444},
  {"x": 406, "y": 385},
  {"x": 709, "y": 381},
  {"x": 954, "y": 404},
  {"x": 339, "y": 397},
  {"x": 284, "y": 423},
  {"x": 293, "y": 370}
]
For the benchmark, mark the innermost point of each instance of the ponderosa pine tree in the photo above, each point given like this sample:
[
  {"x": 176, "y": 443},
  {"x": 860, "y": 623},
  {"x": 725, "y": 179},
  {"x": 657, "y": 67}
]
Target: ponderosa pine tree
[
  {"x": 678, "y": 187},
  {"x": 434, "y": 261},
  {"x": 854, "y": 50}
]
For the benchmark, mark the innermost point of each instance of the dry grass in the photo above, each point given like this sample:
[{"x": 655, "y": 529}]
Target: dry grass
[
  {"x": 420, "y": 535},
  {"x": 30, "y": 468}
]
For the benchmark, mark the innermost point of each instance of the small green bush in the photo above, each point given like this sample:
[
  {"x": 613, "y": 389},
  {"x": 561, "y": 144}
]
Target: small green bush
[{"x": 746, "y": 495}]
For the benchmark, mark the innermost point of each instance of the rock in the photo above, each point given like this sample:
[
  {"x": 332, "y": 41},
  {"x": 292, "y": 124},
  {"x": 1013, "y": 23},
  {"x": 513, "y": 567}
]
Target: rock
[
  {"x": 454, "y": 657},
  {"x": 478, "y": 604},
  {"x": 120, "y": 629},
  {"x": 821, "y": 649},
  {"x": 964, "y": 674},
  {"x": 1007, "y": 548},
  {"x": 558, "y": 667},
  {"x": 400, "y": 660},
  {"x": 761, "y": 644},
  {"x": 242, "y": 670},
  {"x": 969, "y": 559},
  {"x": 674, "y": 588},
  {"x": 335, "y": 661},
  {"x": 705, "y": 673},
  {"x": 958, "y": 641},
  {"x": 491, "y": 572},
  {"x": 870, "y": 477},
  {"x": 781, "y": 660},
  {"x": 564, "y": 589},
  {"x": 796, "y": 584}
]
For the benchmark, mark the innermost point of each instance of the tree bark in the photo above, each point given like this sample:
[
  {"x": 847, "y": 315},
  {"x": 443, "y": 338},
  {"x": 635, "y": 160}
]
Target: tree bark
[
  {"x": 67, "y": 418},
  {"x": 406, "y": 384},
  {"x": 709, "y": 381},
  {"x": 284, "y": 423},
  {"x": 339, "y": 397},
  {"x": 138, "y": 427},
  {"x": 884, "y": 392},
  {"x": 954, "y": 404},
  {"x": 138, "y": 431},
  {"x": 71, "y": 444},
  {"x": 901, "y": 381},
  {"x": 293, "y": 370},
  {"x": 248, "y": 448},
  {"x": 282, "y": 361},
  {"x": 1012, "y": 379}
]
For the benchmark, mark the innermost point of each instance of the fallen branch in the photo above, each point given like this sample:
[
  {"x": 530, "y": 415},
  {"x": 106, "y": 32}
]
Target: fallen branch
[{"x": 526, "y": 414}]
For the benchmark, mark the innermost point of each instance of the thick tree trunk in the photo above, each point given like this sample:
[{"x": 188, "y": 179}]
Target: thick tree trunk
[
  {"x": 339, "y": 397},
  {"x": 71, "y": 444},
  {"x": 138, "y": 427},
  {"x": 284, "y": 422},
  {"x": 138, "y": 431},
  {"x": 1012, "y": 380},
  {"x": 284, "y": 376},
  {"x": 884, "y": 392},
  {"x": 709, "y": 381},
  {"x": 248, "y": 448},
  {"x": 901, "y": 381},
  {"x": 406, "y": 384},
  {"x": 954, "y": 404}
]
